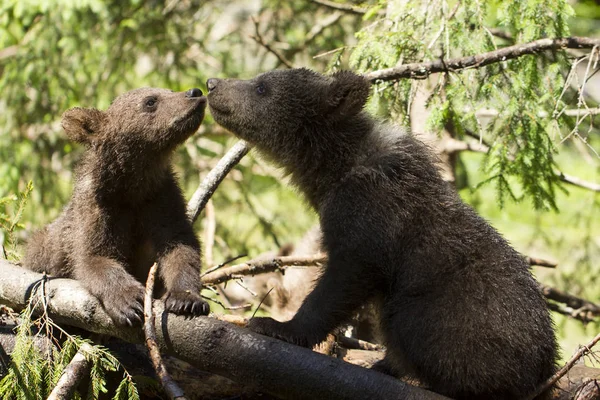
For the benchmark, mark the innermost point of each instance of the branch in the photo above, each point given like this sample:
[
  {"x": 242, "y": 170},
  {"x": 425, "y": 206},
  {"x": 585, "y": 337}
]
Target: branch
[
  {"x": 268, "y": 364},
  {"x": 540, "y": 262},
  {"x": 451, "y": 146},
  {"x": 172, "y": 390},
  {"x": 423, "y": 70},
  {"x": 214, "y": 178},
  {"x": 562, "y": 372},
  {"x": 573, "y": 112},
  {"x": 259, "y": 39},
  {"x": 342, "y": 7},
  {"x": 578, "y": 308},
  {"x": 259, "y": 266},
  {"x": 77, "y": 369},
  {"x": 573, "y": 180}
]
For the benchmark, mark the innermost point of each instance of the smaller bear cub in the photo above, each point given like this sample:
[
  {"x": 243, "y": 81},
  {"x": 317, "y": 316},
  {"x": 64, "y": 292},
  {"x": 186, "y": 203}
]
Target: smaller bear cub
[{"x": 127, "y": 211}]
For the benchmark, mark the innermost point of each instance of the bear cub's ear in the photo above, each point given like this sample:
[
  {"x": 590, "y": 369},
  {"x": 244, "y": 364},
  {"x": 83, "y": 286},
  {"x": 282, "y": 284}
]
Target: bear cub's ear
[
  {"x": 83, "y": 124},
  {"x": 347, "y": 95}
]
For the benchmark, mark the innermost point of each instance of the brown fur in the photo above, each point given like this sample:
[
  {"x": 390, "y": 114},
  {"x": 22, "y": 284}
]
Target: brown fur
[
  {"x": 457, "y": 305},
  {"x": 127, "y": 210}
]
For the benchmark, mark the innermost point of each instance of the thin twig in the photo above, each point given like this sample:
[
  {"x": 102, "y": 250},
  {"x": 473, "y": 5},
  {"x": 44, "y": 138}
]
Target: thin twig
[
  {"x": 563, "y": 371},
  {"x": 260, "y": 40},
  {"x": 214, "y": 178},
  {"x": 254, "y": 267},
  {"x": 171, "y": 388},
  {"x": 78, "y": 368},
  {"x": 224, "y": 263},
  {"x": 261, "y": 301},
  {"x": 423, "y": 70}
]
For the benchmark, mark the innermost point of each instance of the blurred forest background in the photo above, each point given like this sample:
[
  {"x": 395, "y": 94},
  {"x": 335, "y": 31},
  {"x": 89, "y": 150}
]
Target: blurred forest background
[{"x": 531, "y": 122}]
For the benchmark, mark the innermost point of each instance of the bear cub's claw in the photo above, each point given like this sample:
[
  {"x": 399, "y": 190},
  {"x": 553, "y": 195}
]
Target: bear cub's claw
[
  {"x": 279, "y": 330},
  {"x": 126, "y": 307},
  {"x": 185, "y": 303}
]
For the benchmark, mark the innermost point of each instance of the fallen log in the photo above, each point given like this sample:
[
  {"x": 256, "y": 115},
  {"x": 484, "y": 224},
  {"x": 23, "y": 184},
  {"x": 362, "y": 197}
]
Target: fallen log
[{"x": 267, "y": 364}]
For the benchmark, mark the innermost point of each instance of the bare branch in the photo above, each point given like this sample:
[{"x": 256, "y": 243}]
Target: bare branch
[
  {"x": 575, "y": 181},
  {"x": 423, "y": 70},
  {"x": 540, "y": 262},
  {"x": 171, "y": 388},
  {"x": 342, "y": 7},
  {"x": 580, "y": 308},
  {"x": 552, "y": 380},
  {"x": 254, "y": 267},
  {"x": 214, "y": 178},
  {"x": 451, "y": 145},
  {"x": 575, "y": 112},
  {"x": 260, "y": 40},
  {"x": 77, "y": 369}
]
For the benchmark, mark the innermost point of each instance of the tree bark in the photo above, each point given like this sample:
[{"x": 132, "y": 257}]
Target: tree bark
[{"x": 267, "y": 364}]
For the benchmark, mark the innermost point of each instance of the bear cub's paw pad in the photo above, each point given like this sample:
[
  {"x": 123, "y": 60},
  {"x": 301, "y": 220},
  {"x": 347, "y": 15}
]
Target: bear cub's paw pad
[
  {"x": 278, "y": 330},
  {"x": 186, "y": 303},
  {"x": 126, "y": 306}
]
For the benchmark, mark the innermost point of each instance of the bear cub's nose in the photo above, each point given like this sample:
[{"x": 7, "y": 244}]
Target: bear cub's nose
[
  {"x": 211, "y": 84},
  {"x": 195, "y": 92}
]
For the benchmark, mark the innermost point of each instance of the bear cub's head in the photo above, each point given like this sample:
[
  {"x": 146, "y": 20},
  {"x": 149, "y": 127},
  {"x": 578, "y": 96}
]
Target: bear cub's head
[
  {"x": 142, "y": 120},
  {"x": 282, "y": 104}
]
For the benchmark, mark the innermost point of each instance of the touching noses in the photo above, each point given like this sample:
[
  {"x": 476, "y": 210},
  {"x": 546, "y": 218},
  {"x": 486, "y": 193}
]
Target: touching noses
[
  {"x": 211, "y": 84},
  {"x": 195, "y": 92}
]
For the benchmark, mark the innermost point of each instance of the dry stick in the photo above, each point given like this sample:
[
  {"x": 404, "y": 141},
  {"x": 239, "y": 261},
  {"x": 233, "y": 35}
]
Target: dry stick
[
  {"x": 423, "y": 70},
  {"x": 261, "y": 266},
  {"x": 254, "y": 267},
  {"x": 540, "y": 262},
  {"x": 77, "y": 369},
  {"x": 172, "y": 390},
  {"x": 260, "y": 40},
  {"x": 214, "y": 178},
  {"x": 562, "y": 372}
]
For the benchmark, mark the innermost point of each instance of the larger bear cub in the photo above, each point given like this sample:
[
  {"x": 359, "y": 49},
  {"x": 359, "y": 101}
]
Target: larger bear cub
[
  {"x": 127, "y": 210},
  {"x": 458, "y": 306}
]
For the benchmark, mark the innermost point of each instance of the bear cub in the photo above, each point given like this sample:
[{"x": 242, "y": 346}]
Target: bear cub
[
  {"x": 127, "y": 211},
  {"x": 458, "y": 306}
]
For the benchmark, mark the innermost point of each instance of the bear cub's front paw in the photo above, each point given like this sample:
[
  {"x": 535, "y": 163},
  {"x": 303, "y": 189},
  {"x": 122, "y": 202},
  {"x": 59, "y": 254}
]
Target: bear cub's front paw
[
  {"x": 280, "y": 330},
  {"x": 185, "y": 303},
  {"x": 125, "y": 305}
]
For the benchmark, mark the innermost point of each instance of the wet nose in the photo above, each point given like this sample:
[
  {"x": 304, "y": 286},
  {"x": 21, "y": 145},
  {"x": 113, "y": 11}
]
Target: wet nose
[
  {"x": 211, "y": 84},
  {"x": 195, "y": 92}
]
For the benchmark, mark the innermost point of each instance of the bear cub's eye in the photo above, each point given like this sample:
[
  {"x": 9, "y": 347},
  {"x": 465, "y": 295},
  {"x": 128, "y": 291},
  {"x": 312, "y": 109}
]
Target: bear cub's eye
[
  {"x": 150, "y": 103},
  {"x": 260, "y": 89}
]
